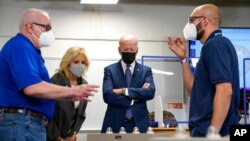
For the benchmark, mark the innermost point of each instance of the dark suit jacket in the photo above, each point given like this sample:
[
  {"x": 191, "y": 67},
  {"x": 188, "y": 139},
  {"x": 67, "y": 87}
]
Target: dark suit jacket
[
  {"x": 61, "y": 124},
  {"x": 114, "y": 78}
]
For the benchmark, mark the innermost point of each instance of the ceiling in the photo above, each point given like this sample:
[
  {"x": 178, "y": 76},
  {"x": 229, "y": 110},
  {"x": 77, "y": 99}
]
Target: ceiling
[
  {"x": 190, "y": 2},
  {"x": 175, "y": 2}
]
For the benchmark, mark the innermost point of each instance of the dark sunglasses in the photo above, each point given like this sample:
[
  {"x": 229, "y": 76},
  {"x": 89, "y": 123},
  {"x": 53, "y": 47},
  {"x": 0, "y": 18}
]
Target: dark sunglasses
[{"x": 47, "y": 27}]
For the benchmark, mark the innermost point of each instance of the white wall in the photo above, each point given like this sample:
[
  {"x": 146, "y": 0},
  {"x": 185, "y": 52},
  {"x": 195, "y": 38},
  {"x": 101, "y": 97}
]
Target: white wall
[{"x": 98, "y": 28}]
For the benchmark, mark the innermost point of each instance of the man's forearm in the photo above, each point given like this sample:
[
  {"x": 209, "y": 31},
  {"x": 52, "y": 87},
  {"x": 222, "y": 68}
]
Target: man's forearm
[
  {"x": 188, "y": 77},
  {"x": 221, "y": 105}
]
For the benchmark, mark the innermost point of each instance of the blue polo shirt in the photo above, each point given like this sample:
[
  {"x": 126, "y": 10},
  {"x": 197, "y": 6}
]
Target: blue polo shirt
[
  {"x": 22, "y": 65},
  {"x": 218, "y": 63}
]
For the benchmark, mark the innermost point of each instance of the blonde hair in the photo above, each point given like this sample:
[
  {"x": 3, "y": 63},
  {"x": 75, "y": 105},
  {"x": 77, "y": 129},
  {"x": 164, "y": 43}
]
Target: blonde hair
[{"x": 69, "y": 56}]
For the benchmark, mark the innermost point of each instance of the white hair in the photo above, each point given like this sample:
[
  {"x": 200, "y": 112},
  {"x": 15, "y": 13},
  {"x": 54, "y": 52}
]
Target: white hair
[{"x": 31, "y": 12}]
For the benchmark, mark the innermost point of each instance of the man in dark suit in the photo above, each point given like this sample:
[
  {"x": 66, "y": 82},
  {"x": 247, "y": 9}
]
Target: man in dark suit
[{"x": 127, "y": 86}]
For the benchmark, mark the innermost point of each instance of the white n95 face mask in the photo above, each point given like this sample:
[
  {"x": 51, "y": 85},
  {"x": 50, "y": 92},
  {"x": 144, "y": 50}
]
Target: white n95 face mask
[
  {"x": 46, "y": 39},
  {"x": 77, "y": 69},
  {"x": 190, "y": 31}
]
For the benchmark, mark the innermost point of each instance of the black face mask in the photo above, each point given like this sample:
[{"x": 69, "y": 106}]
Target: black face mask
[{"x": 128, "y": 57}]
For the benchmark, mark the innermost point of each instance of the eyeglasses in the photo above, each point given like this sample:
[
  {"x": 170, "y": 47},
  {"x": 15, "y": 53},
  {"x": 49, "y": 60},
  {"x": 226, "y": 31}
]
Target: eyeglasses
[
  {"x": 47, "y": 27},
  {"x": 192, "y": 19}
]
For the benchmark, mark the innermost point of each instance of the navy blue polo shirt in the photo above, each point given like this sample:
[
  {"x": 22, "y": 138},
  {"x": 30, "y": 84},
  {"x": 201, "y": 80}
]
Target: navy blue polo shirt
[
  {"x": 218, "y": 63},
  {"x": 22, "y": 65}
]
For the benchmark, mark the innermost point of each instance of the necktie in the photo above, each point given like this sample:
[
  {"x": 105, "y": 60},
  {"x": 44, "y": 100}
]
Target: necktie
[
  {"x": 128, "y": 75},
  {"x": 128, "y": 79}
]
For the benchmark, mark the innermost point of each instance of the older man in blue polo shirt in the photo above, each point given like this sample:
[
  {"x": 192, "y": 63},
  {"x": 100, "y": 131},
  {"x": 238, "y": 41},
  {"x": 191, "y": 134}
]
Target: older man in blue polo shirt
[{"x": 26, "y": 96}]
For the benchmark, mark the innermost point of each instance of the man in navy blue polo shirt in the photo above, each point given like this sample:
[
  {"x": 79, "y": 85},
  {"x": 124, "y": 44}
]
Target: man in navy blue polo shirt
[
  {"x": 214, "y": 89},
  {"x": 26, "y": 96}
]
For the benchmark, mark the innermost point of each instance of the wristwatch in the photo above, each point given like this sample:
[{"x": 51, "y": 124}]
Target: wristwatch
[
  {"x": 123, "y": 90},
  {"x": 183, "y": 60},
  {"x": 212, "y": 130}
]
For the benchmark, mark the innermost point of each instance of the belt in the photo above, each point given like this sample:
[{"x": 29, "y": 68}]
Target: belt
[{"x": 27, "y": 112}]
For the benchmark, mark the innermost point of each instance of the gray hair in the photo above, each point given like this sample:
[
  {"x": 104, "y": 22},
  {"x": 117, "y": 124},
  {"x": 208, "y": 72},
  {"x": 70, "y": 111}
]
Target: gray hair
[{"x": 29, "y": 15}]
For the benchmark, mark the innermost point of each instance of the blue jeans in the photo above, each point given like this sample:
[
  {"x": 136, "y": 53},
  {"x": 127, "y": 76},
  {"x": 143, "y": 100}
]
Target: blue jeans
[{"x": 21, "y": 127}]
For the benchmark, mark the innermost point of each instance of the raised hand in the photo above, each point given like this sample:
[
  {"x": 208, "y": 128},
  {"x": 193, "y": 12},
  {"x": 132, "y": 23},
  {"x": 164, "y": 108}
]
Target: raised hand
[{"x": 177, "y": 47}]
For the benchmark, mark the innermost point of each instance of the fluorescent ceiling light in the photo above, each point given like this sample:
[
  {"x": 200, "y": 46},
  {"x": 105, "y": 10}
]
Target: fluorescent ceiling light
[
  {"x": 162, "y": 72},
  {"x": 99, "y": 1}
]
